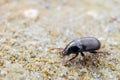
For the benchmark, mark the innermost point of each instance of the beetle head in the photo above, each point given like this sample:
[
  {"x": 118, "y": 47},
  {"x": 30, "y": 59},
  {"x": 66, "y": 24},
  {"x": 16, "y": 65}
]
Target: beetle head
[
  {"x": 65, "y": 52},
  {"x": 70, "y": 49}
]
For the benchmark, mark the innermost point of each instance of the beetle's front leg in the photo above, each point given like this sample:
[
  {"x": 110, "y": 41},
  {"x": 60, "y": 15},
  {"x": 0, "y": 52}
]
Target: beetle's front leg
[{"x": 73, "y": 57}]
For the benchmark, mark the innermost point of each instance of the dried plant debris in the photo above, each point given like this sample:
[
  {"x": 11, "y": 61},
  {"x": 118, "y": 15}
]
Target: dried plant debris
[{"x": 31, "y": 30}]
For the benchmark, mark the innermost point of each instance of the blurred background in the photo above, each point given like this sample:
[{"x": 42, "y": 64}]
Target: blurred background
[{"x": 29, "y": 29}]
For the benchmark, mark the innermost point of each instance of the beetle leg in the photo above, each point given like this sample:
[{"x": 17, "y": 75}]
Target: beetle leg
[
  {"x": 93, "y": 52},
  {"x": 84, "y": 57},
  {"x": 103, "y": 53},
  {"x": 73, "y": 57},
  {"x": 82, "y": 54}
]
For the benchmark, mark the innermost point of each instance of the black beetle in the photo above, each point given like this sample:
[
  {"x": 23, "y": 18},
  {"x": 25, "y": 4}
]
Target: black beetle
[{"x": 84, "y": 44}]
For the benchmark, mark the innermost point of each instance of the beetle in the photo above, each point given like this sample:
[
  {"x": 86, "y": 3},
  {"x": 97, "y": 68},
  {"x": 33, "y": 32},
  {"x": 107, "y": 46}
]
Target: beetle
[{"x": 84, "y": 44}]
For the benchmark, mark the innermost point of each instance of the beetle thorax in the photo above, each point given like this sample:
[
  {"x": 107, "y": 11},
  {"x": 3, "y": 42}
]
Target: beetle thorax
[{"x": 73, "y": 47}]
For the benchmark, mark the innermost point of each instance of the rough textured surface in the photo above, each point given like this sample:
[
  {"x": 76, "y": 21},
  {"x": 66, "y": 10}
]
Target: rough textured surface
[{"x": 29, "y": 29}]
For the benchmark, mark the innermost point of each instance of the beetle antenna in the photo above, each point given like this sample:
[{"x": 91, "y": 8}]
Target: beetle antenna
[{"x": 56, "y": 48}]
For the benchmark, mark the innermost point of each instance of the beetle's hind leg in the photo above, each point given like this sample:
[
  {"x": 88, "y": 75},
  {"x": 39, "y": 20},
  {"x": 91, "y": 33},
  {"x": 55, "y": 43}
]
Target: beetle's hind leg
[
  {"x": 93, "y": 52},
  {"x": 99, "y": 52},
  {"x": 102, "y": 53}
]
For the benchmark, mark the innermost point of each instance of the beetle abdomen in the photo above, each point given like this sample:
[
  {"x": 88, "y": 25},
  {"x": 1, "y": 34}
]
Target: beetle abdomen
[{"x": 90, "y": 43}]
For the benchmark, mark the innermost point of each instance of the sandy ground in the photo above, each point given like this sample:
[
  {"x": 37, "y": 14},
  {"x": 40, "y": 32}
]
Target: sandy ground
[{"x": 29, "y": 29}]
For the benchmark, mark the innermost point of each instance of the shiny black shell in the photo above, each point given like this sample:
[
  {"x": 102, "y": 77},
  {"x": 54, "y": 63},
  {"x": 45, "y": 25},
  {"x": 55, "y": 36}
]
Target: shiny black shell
[
  {"x": 81, "y": 45},
  {"x": 89, "y": 43}
]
